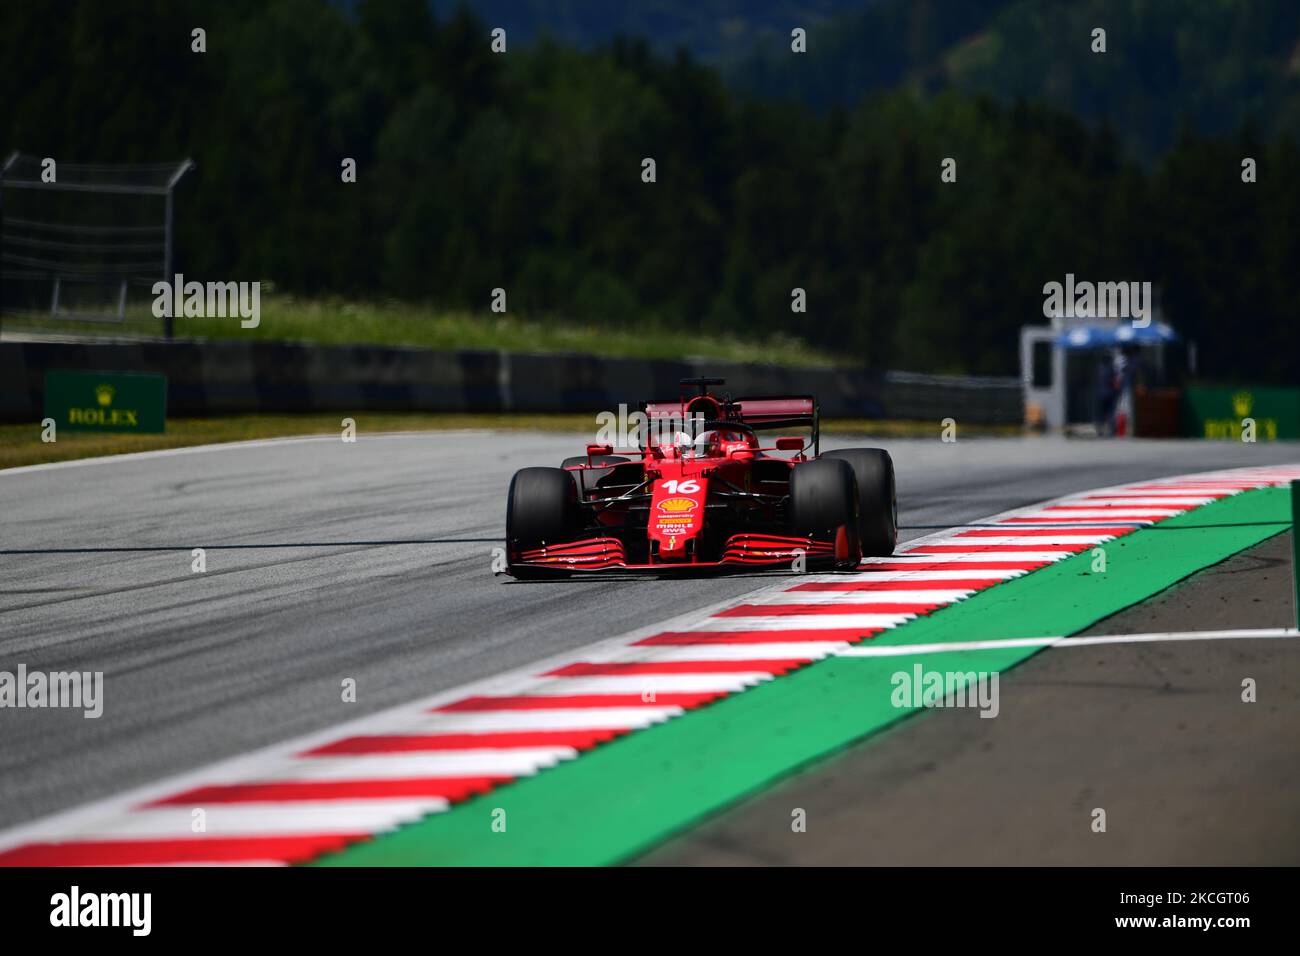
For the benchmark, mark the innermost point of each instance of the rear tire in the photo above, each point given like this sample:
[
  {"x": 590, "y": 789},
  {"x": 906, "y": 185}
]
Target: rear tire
[
  {"x": 824, "y": 498},
  {"x": 542, "y": 507},
  {"x": 873, "y": 472}
]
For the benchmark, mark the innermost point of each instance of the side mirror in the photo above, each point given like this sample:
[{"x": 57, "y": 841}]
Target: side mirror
[
  {"x": 599, "y": 450},
  {"x": 789, "y": 444}
]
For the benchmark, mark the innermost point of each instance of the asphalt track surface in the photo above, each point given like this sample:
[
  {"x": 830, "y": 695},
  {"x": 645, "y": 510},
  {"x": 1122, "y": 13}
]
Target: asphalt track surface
[{"x": 370, "y": 561}]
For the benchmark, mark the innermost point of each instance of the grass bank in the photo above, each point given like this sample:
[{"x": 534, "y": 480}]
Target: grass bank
[{"x": 341, "y": 322}]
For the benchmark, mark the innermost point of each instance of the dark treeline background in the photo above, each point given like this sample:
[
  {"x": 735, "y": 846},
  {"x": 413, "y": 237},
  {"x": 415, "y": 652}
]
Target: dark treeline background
[{"x": 522, "y": 170}]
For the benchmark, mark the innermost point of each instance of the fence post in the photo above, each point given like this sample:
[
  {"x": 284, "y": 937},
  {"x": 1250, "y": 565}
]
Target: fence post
[
  {"x": 168, "y": 320},
  {"x": 169, "y": 323},
  {"x": 3, "y": 169}
]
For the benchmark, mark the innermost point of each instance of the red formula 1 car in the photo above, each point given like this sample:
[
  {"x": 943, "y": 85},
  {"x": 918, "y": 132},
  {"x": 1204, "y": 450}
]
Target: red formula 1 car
[{"x": 705, "y": 493}]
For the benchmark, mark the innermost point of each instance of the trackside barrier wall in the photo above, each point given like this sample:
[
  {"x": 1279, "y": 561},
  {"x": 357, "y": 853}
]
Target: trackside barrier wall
[{"x": 211, "y": 378}]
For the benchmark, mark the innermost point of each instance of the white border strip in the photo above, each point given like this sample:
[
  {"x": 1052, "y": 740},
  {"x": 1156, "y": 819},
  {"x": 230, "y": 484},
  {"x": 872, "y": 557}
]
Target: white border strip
[
  {"x": 131, "y": 456},
  {"x": 904, "y": 650}
]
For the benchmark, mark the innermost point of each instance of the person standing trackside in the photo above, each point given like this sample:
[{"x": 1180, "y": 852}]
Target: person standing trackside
[
  {"x": 1125, "y": 367},
  {"x": 1103, "y": 395}
]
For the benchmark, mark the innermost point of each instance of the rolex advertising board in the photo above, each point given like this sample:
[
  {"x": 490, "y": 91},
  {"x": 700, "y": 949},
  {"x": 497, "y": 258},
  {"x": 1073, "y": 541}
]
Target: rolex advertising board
[
  {"x": 106, "y": 401},
  {"x": 1264, "y": 413}
]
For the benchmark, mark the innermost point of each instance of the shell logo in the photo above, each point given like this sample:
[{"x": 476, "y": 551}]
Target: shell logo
[{"x": 677, "y": 504}]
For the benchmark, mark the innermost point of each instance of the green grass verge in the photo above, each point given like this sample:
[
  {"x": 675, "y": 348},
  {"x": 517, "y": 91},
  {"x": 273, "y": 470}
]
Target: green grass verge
[
  {"x": 626, "y": 796},
  {"x": 21, "y": 444},
  {"x": 342, "y": 322}
]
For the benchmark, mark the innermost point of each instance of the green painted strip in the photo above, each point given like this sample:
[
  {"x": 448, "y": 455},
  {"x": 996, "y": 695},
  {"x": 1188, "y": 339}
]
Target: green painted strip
[
  {"x": 1295, "y": 547},
  {"x": 622, "y": 798}
]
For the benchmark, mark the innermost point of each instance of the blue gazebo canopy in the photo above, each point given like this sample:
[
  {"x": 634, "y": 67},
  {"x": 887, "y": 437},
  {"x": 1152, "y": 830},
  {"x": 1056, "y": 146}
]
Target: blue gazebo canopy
[{"x": 1107, "y": 336}]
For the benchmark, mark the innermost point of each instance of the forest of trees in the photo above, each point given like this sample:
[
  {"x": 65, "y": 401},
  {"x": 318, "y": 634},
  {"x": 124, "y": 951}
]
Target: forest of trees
[
  {"x": 523, "y": 170},
  {"x": 1210, "y": 62}
]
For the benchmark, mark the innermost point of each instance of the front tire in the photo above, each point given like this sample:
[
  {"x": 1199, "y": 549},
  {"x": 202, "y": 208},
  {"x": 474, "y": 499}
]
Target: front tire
[
  {"x": 873, "y": 472},
  {"x": 541, "y": 507},
  {"x": 824, "y": 500}
]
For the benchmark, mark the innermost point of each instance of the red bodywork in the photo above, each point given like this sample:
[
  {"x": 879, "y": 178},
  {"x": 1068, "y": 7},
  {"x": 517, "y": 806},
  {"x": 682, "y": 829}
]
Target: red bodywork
[{"x": 702, "y": 492}]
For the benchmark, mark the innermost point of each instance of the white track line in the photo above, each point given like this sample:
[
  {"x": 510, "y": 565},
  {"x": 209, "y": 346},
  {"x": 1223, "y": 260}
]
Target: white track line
[
  {"x": 727, "y": 683},
  {"x": 1010, "y": 538},
  {"x": 955, "y": 574},
  {"x": 455, "y": 763},
  {"x": 900, "y": 596},
  {"x": 261, "y": 819},
  {"x": 810, "y": 622},
  {"x": 502, "y": 721},
  {"x": 222, "y": 446},
  {"x": 974, "y": 555},
  {"x": 904, "y": 650},
  {"x": 664, "y": 653}
]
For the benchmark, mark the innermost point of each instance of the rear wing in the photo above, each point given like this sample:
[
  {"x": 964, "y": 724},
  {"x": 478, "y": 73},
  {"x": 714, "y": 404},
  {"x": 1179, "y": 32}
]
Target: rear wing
[
  {"x": 769, "y": 414},
  {"x": 761, "y": 414}
]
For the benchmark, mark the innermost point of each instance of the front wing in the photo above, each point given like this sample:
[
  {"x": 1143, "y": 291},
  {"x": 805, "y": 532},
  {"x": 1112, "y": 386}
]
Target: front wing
[{"x": 740, "y": 550}]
